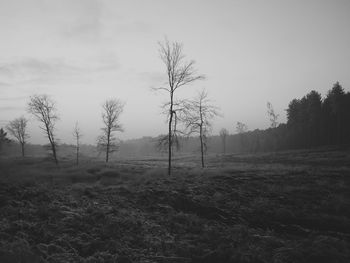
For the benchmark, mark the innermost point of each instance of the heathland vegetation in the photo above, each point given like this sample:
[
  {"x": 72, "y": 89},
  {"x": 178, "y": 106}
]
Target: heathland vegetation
[{"x": 279, "y": 207}]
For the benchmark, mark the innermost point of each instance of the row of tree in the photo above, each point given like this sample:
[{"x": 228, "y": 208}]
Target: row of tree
[
  {"x": 315, "y": 122},
  {"x": 311, "y": 122},
  {"x": 43, "y": 108},
  {"x": 185, "y": 116}
]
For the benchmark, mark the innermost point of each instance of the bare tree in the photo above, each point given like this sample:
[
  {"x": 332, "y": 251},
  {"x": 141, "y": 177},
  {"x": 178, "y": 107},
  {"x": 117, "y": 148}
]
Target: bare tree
[
  {"x": 241, "y": 127},
  {"x": 77, "y": 136},
  {"x": 107, "y": 142},
  {"x": 272, "y": 115},
  {"x": 197, "y": 117},
  {"x": 179, "y": 73},
  {"x": 18, "y": 129},
  {"x": 44, "y": 109},
  {"x": 223, "y": 136}
]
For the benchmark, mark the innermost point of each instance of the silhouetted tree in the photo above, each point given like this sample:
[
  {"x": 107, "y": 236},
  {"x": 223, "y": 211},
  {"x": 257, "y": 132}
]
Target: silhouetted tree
[
  {"x": 223, "y": 136},
  {"x": 77, "y": 136},
  {"x": 107, "y": 142},
  {"x": 198, "y": 116},
  {"x": 3, "y": 138},
  {"x": 18, "y": 129},
  {"x": 313, "y": 103},
  {"x": 43, "y": 108},
  {"x": 179, "y": 73},
  {"x": 294, "y": 122},
  {"x": 346, "y": 123},
  {"x": 313, "y": 122},
  {"x": 336, "y": 112}
]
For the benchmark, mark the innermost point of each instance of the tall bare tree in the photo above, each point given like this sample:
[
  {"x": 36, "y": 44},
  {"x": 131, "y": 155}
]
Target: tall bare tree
[
  {"x": 223, "y": 136},
  {"x": 44, "y": 109},
  {"x": 272, "y": 115},
  {"x": 179, "y": 73},
  {"x": 107, "y": 142},
  {"x": 77, "y": 136},
  {"x": 18, "y": 129},
  {"x": 198, "y": 115}
]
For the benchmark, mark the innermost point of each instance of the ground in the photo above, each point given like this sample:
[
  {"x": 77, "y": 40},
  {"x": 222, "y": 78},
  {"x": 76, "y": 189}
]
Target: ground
[{"x": 279, "y": 207}]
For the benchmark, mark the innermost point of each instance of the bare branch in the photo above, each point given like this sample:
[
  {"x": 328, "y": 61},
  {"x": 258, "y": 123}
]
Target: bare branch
[
  {"x": 179, "y": 73},
  {"x": 43, "y": 108},
  {"x": 110, "y": 116},
  {"x": 77, "y": 136},
  {"x": 197, "y": 116},
  {"x": 18, "y": 129}
]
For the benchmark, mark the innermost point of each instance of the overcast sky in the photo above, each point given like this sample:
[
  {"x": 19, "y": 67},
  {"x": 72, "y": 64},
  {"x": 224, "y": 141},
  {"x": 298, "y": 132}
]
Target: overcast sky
[{"x": 82, "y": 52}]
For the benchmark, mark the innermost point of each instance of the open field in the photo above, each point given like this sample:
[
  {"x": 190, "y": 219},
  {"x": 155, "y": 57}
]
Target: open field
[{"x": 278, "y": 207}]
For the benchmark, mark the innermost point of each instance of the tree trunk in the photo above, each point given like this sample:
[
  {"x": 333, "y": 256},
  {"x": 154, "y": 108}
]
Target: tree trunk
[
  {"x": 202, "y": 150},
  {"x": 224, "y": 142},
  {"x": 201, "y": 134},
  {"x": 78, "y": 154},
  {"x": 107, "y": 147},
  {"x": 52, "y": 142},
  {"x": 170, "y": 141},
  {"x": 22, "y": 147},
  {"x": 53, "y": 146}
]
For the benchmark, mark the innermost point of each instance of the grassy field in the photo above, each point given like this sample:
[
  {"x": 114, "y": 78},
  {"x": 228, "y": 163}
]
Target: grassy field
[{"x": 278, "y": 207}]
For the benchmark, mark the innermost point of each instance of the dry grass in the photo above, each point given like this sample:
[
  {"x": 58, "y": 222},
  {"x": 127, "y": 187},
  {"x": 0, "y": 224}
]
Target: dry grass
[{"x": 288, "y": 207}]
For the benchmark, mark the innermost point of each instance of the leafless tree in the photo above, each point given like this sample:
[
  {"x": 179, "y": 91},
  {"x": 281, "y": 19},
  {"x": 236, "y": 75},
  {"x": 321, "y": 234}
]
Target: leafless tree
[
  {"x": 107, "y": 142},
  {"x": 179, "y": 73},
  {"x": 241, "y": 127},
  {"x": 272, "y": 115},
  {"x": 77, "y": 136},
  {"x": 223, "y": 136},
  {"x": 44, "y": 109},
  {"x": 198, "y": 116},
  {"x": 18, "y": 129}
]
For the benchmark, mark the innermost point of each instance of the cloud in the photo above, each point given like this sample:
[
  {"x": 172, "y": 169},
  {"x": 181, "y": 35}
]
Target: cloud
[
  {"x": 23, "y": 67},
  {"x": 85, "y": 21},
  {"x": 4, "y": 87},
  {"x": 27, "y": 70},
  {"x": 9, "y": 108},
  {"x": 105, "y": 62},
  {"x": 13, "y": 98},
  {"x": 153, "y": 77},
  {"x": 5, "y": 70},
  {"x": 89, "y": 31},
  {"x": 4, "y": 84}
]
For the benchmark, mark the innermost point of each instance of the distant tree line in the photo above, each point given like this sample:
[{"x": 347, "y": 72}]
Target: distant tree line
[
  {"x": 311, "y": 122},
  {"x": 315, "y": 122}
]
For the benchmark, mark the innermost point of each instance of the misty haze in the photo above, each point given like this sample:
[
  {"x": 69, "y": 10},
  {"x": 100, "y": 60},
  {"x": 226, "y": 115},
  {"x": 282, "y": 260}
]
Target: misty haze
[{"x": 174, "y": 131}]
